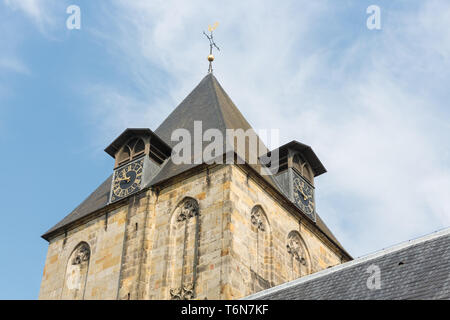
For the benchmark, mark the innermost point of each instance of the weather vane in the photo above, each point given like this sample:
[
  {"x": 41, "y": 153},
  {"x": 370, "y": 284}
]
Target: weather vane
[{"x": 211, "y": 44}]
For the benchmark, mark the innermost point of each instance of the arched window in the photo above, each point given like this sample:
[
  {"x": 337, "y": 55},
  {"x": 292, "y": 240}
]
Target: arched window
[
  {"x": 261, "y": 250},
  {"x": 139, "y": 148},
  {"x": 124, "y": 155},
  {"x": 298, "y": 257},
  {"x": 132, "y": 150},
  {"x": 183, "y": 252},
  {"x": 76, "y": 273},
  {"x": 303, "y": 168}
]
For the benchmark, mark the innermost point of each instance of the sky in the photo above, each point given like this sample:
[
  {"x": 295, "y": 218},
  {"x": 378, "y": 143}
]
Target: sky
[{"x": 373, "y": 104}]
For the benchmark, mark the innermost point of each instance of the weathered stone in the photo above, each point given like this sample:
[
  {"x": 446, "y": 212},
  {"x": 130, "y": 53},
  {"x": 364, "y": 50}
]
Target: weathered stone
[{"x": 224, "y": 240}]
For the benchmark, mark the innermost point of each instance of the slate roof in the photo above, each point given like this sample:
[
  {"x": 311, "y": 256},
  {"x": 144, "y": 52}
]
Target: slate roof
[
  {"x": 95, "y": 201},
  {"x": 307, "y": 151},
  {"x": 417, "y": 269},
  {"x": 211, "y": 105},
  {"x": 132, "y": 132}
]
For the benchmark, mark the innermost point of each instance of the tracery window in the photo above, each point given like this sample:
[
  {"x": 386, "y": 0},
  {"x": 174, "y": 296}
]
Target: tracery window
[
  {"x": 260, "y": 250},
  {"x": 298, "y": 259},
  {"x": 183, "y": 256},
  {"x": 133, "y": 149},
  {"x": 303, "y": 168},
  {"x": 77, "y": 272}
]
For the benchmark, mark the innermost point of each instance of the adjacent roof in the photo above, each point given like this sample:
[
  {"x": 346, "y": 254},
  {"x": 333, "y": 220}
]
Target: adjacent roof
[
  {"x": 211, "y": 105},
  {"x": 417, "y": 269}
]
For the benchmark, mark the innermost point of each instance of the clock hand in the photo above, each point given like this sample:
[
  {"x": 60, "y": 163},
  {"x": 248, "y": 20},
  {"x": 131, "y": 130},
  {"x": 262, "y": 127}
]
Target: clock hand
[
  {"x": 304, "y": 195},
  {"x": 127, "y": 179}
]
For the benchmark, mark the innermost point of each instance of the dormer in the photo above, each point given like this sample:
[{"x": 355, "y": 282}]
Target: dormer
[
  {"x": 294, "y": 171},
  {"x": 134, "y": 143},
  {"x": 138, "y": 155}
]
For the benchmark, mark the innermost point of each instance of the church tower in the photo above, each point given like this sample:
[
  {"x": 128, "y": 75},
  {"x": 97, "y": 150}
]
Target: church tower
[{"x": 161, "y": 229}]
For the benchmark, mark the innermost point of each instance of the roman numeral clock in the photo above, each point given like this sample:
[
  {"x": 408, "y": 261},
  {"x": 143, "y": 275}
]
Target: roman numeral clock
[
  {"x": 303, "y": 194},
  {"x": 139, "y": 155},
  {"x": 127, "y": 180}
]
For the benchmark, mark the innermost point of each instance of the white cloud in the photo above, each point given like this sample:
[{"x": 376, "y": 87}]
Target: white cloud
[
  {"x": 13, "y": 64},
  {"x": 370, "y": 102},
  {"x": 15, "y": 32},
  {"x": 37, "y": 10},
  {"x": 112, "y": 112}
]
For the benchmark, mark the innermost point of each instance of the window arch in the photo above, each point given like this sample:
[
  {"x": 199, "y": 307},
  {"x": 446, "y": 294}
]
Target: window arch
[
  {"x": 139, "y": 148},
  {"x": 303, "y": 167},
  {"x": 298, "y": 256},
  {"x": 260, "y": 251},
  {"x": 124, "y": 155},
  {"x": 131, "y": 150},
  {"x": 76, "y": 272},
  {"x": 184, "y": 250}
]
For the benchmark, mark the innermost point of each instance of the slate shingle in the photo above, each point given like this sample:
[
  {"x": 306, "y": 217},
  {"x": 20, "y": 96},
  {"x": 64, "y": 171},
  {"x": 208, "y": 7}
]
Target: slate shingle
[{"x": 424, "y": 274}]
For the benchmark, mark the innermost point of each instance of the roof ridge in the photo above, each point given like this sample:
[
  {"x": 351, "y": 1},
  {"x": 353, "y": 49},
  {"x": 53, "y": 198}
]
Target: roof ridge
[
  {"x": 216, "y": 99},
  {"x": 230, "y": 102},
  {"x": 362, "y": 259},
  {"x": 185, "y": 99}
]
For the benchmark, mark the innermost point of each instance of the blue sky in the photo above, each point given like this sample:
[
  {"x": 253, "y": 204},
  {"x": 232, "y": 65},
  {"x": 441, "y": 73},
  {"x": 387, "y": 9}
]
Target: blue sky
[{"x": 372, "y": 103}]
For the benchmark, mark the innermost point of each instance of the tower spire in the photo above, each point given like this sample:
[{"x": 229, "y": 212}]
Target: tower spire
[{"x": 211, "y": 44}]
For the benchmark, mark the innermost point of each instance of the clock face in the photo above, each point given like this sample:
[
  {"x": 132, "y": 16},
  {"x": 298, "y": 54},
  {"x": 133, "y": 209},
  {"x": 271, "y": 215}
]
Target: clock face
[
  {"x": 127, "y": 180},
  {"x": 303, "y": 195}
]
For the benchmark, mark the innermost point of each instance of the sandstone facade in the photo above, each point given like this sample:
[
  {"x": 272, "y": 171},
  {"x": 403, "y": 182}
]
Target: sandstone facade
[{"x": 217, "y": 233}]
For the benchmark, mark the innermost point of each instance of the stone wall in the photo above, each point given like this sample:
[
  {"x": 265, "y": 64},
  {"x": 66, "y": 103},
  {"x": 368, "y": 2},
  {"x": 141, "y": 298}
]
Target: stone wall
[
  {"x": 216, "y": 234},
  {"x": 205, "y": 234},
  {"x": 106, "y": 247},
  {"x": 270, "y": 245}
]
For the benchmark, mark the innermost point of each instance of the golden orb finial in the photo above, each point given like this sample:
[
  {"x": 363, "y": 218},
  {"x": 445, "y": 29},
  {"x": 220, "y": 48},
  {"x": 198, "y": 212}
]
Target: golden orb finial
[{"x": 211, "y": 45}]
